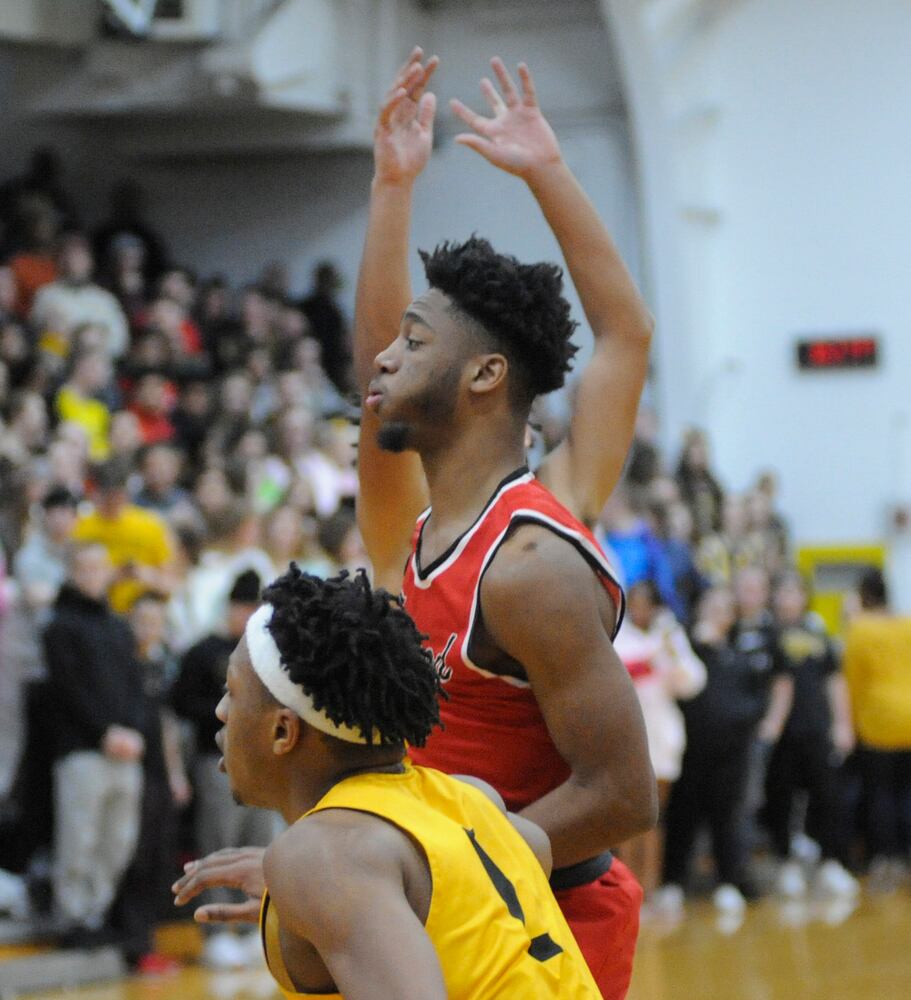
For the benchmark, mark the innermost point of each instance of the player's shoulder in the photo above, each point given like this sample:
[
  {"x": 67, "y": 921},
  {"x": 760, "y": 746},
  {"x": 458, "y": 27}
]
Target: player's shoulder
[
  {"x": 330, "y": 846},
  {"x": 533, "y": 552}
]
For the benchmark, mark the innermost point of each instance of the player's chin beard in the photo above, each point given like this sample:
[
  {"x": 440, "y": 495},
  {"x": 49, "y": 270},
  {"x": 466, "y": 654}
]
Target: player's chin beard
[{"x": 394, "y": 436}]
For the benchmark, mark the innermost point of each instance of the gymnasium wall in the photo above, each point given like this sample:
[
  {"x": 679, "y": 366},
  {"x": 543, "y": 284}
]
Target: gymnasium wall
[{"x": 778, "y": 134}]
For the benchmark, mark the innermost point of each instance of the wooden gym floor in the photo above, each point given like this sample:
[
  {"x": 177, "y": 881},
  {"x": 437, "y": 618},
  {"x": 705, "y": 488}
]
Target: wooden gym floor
[{"x": 780, "y": 952}]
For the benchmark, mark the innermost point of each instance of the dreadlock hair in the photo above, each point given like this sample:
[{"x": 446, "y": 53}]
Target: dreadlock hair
[
  {"x": 356, "y": 653},
  {"x": 520, "y": 307}
]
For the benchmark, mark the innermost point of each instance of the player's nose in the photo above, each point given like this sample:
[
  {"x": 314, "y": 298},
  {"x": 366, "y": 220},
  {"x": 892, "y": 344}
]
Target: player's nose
[{"x": 386, "y": 362}]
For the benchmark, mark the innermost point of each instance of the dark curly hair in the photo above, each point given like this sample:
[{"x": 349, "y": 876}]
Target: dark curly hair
[
  {"x": 520, "y": 307},
  {"x": 356, "y": 653}
]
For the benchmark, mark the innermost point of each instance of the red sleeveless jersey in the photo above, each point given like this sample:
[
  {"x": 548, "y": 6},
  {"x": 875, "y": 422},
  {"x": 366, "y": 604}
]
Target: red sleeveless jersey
[{"x": 493, "y": 725}]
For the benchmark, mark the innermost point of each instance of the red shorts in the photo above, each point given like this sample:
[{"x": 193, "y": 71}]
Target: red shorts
[{"x": 604, "y": 917}]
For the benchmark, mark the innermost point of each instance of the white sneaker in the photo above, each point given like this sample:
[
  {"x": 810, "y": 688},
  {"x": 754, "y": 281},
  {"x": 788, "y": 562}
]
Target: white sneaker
[
  {"x": 729, "y": 900},
  {"x": 835, "y": 880},
  {"x": 667, "y": 902},
  {"x": 224, "y": 951},
  {"x": 791, "y": 882}
]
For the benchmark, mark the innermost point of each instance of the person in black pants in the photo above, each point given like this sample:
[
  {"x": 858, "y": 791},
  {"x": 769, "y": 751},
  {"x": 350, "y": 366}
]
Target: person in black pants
[
  {"x": 144, "y": 896},
  {"x": 721, "y": 723},
  {"x": 816, "y": 738}
]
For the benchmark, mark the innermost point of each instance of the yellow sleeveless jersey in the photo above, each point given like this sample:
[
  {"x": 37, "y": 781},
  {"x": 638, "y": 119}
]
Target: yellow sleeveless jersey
[{"x": 493, "y": 920}]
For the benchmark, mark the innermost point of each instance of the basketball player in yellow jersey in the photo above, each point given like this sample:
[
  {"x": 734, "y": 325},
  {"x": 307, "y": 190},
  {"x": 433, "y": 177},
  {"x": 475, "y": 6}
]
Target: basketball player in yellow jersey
[{"x": 392, "y": 880}]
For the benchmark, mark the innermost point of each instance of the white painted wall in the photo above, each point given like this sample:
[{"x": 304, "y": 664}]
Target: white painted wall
[
  {"x": 786, "y": 147},
  {"x": 814, "y": 146}
]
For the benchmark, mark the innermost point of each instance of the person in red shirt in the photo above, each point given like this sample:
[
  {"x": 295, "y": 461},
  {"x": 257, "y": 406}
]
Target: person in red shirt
[
  {"x": 517, "y": 600},
  {"x": 153, "y": 400}
]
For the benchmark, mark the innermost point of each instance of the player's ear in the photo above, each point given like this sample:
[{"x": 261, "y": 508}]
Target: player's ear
[
  {"x": 489, "y": 372},
  {"x": 286, "y": 731}
]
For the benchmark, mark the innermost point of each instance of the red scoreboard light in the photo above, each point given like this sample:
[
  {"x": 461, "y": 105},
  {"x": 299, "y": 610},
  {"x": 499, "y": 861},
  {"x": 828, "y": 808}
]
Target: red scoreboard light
[{"x": 826, "y": 353}]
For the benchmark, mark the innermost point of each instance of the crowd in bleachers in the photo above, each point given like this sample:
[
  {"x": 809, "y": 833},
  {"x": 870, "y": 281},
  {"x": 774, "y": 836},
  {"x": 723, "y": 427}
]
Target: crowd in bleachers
[{"x": 169, "y": 443}]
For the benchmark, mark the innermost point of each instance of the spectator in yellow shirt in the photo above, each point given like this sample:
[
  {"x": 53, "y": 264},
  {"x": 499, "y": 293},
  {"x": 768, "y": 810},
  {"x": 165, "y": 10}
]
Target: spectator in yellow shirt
[
  {"x": 77, "y": 400},
  {"x": 137, "y": 541},
  {"x": 877, "y": 668}
]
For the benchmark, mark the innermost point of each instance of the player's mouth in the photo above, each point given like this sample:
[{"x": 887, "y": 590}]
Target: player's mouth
[
  {"x": 221, "y": 765},
  {"x": 374, "y": 397}
]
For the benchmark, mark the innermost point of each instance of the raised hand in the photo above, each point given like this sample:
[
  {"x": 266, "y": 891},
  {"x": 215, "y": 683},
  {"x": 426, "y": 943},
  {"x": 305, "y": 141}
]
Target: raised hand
[
  {"x": 233, "y": 868},
  {"x": 517, "y": 138},
  {"x": 403, "y": 137}
]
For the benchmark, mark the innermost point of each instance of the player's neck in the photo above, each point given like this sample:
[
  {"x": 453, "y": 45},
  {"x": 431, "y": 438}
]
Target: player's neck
[
  {"x": 463, "y": 476},
  {"x": 304, "y": 790}
]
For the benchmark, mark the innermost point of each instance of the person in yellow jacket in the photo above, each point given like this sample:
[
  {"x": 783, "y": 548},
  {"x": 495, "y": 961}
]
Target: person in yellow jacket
[
  {"x": 392, "y": 880},
  {"x": 137, "y": 541},
  {"x": 877, "y": 670}
]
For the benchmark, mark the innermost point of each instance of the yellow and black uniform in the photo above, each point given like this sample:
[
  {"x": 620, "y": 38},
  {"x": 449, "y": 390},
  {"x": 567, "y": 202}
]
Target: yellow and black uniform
[{"x": 493, "y": 920}]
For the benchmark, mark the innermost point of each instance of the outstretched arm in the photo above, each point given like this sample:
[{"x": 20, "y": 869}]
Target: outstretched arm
[
  {"x": 582, "y": 471},
  {"x": 392, "y": 487}
]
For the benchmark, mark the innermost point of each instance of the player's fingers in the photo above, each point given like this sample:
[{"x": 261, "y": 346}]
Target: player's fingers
[
  {"x": 390, "y": 105},
  {"x": 415, "y": 56},
  {"x": 510, "y": 94},
  {"x": 475, "y": 142},
  {"x": 492, "y": 96},
  {"x": 416, "y": 91},
  {"x": 213, "y": 877},
  {"x": 529, "y": 94},
  {"x": 426, "y": 110},
  {"x": 227, "y": 913},
  {"x": 471, "y": 118}
]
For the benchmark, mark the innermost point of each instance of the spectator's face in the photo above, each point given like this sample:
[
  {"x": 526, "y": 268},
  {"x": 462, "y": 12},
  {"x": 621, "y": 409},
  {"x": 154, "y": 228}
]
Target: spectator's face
[
  {"x": 125, "y": 436},
  {"x": 238, "y": 615},
  {"x": 236, "y": 395},
  {"x": 255, "y": 312},
  {"x": 93, "y": 372},
  {"x": 212, "y": 492},
  {"x": 759, "y": 508},
  {"x": 151, "y": 394},
  {"x": 292, "y": 390},
  {"x": 284, "y": 535},
  {"x": 148, "y": 619},
  {"x": 59, "y": 522},
  {"x": 718, "y": 609},
  {"x": 734, "y": 517},
  {"x": 92, "y": 572},
  {"x": 75, "y": 263},
  {"x": 166, "y": 315},
  {"x": 13, "y": 345},
  {"x": 112, "y": 501},
  {"x": 67, "y": 462},
  {"x": 196, "y": 399},
  {"x": 697, "y": 456},
  {"x": 640, "y": 607},
  {"x": 790, "y": 602},
  {"x": 161, "y": 469},
  {"x": 297, "y": 432},
  {"x": 292, "y": 324},
  {"x": 176, "y": 285},
  {"x": 30, "y": 424},
  {"x": 751, "y": 588},
  {"x": 680, "y": 522},
  {"x": 8, "y": 292}
]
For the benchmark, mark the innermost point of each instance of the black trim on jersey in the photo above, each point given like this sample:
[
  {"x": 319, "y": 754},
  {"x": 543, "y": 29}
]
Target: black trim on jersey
[
  {"x": 501, "y": 883},
  {"x": 544, "y": 947},
  {"x": 423, "y": 572},
  {"x": 582, "y": 872}
]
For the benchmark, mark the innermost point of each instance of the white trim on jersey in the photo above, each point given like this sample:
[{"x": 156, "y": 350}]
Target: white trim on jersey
[
  {"x": 465, "y": 539},
  {"x": 574, "y": 538}
]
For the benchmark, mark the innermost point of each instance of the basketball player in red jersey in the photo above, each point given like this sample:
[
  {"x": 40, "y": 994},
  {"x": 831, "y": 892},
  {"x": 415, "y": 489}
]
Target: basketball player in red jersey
[{"x": 517, "y": 600}]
